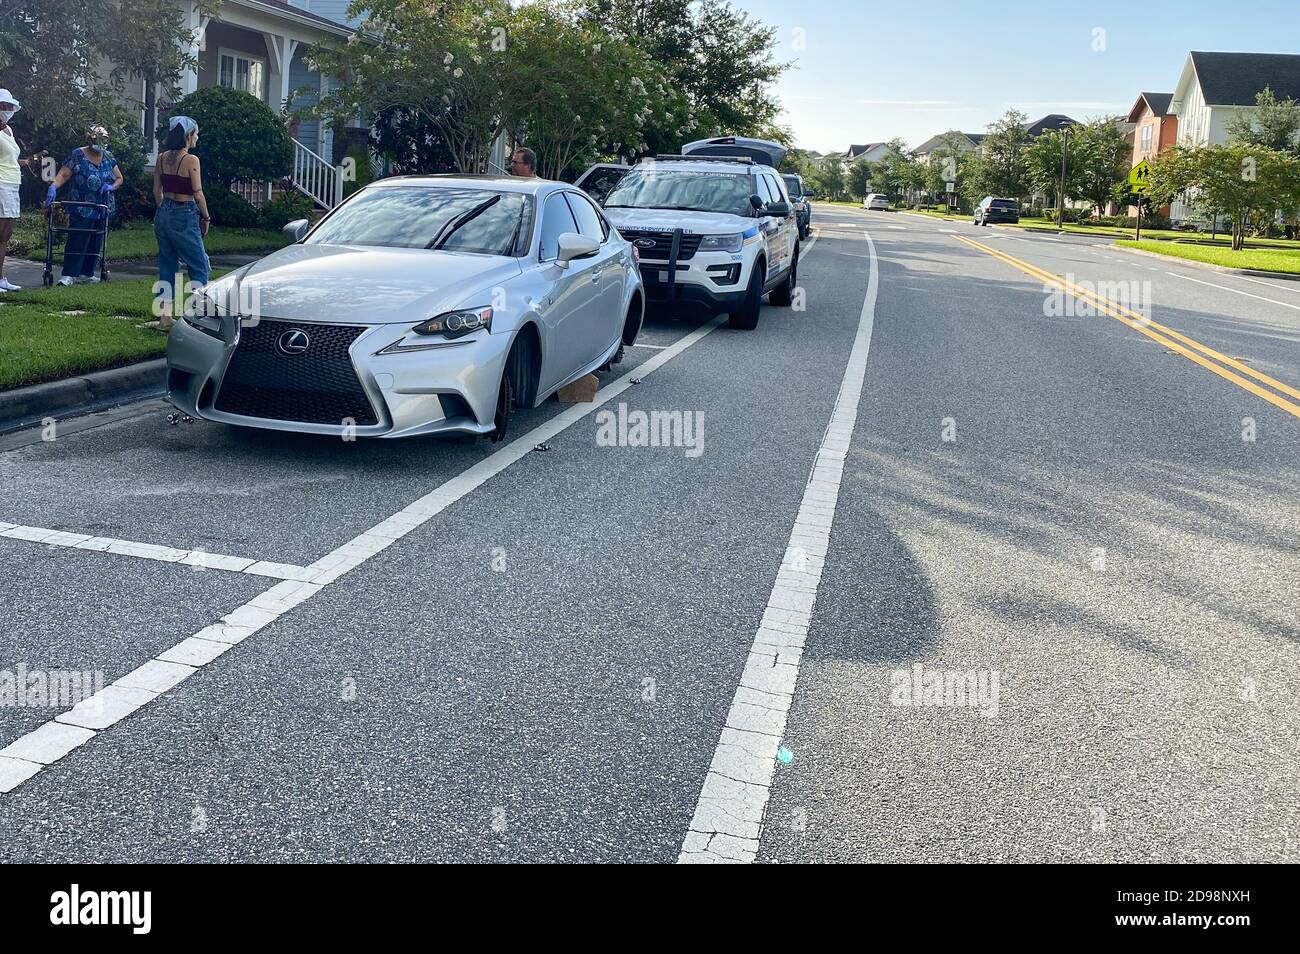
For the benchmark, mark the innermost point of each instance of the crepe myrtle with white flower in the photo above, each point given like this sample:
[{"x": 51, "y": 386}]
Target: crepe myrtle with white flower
[{"x": 420, "y": 305}]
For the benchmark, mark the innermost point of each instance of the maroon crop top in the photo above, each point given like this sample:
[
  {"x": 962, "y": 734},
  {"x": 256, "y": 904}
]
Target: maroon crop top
[{"x": 175, "y": 184}]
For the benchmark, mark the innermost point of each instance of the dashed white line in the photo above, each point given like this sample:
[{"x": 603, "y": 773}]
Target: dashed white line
[
  {"x": 198, "y": 559},
  {"x": 728, "y": 820},
  {"x": 27, "y": 755},
  {"x": 1236, "y": 291}
]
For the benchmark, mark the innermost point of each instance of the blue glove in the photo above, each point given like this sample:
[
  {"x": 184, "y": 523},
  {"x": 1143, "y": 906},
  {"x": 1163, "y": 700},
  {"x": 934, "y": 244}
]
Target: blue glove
[
  {"x": 49, "y": 195},
  {"x": 106, "y": 188}
]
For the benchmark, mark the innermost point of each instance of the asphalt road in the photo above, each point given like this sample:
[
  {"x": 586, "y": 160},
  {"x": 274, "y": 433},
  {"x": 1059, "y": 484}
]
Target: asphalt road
[{"x": 1056, "y": 507}]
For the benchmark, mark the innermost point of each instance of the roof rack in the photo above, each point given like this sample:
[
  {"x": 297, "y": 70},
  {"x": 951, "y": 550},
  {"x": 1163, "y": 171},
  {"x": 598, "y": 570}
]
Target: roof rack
[{"x": 666, "y": 157}]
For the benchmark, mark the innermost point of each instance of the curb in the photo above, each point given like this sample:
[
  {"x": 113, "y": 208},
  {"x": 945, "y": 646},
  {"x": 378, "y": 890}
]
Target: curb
[
  {"x": 1210, "y": 266},
  {"x": 70, "y": 397}
]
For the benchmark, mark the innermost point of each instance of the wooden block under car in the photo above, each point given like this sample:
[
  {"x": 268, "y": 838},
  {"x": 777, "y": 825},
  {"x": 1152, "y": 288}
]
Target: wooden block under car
[{"x": 581, "y": 391}]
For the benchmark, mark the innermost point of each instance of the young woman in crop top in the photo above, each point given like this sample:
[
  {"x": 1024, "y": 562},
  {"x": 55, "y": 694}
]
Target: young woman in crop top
[{"x": 182, "y": 217}]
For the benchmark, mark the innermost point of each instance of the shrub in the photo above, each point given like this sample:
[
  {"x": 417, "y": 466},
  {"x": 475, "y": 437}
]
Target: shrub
[
  {"x": 230, "y": 210},
  {"x": 365, "y": 171},
  {"x": 283, "y": 209},
  {"x": 239, "y": 135}
]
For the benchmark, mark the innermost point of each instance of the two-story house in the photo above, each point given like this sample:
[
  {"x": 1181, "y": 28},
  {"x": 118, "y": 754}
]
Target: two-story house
[
  {"x": 1156, "y": 129},
  {"x": 1214, "y": 87}
]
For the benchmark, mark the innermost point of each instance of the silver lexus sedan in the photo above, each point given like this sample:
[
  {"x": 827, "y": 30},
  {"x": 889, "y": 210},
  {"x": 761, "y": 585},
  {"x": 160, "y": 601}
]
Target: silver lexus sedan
[{"x": 420, "y": 305}]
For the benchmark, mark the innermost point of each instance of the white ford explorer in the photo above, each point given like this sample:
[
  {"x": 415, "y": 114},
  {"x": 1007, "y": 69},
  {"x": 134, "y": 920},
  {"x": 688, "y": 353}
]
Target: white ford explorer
[{"x": 714, "y": 227}]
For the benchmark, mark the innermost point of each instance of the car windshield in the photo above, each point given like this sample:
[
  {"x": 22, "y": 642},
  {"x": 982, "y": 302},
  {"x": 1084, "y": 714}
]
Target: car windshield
[
  {"x": 1004, "y": 203},
  {"x": 793, "y": 186},
  {"x": 456, "y": 220},
  {"x": 727, "y": 192}
]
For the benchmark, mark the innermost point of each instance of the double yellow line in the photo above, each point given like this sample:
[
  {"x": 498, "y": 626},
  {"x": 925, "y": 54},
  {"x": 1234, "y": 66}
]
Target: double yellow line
[{"x": 1175, "y": 341}]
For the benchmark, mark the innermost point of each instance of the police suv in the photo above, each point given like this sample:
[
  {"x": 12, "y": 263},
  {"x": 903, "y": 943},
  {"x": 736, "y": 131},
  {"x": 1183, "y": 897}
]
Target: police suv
[{"x": 714, "y": 226}]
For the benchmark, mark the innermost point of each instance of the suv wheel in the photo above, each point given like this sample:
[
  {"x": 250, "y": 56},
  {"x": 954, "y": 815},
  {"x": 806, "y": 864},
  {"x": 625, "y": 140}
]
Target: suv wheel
[
  {"x": 783, "y": 294},
  {"x": 745, "y": 318}
]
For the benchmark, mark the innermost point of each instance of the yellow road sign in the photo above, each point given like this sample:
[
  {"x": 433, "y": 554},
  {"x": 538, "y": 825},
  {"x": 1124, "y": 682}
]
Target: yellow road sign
[{"x": 1137, "y": 177}]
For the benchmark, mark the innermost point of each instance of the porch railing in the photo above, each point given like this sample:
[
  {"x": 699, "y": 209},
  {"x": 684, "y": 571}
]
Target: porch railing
[
  {"x": 255, "y": 192},
  {"x": 315, "y": 177}
]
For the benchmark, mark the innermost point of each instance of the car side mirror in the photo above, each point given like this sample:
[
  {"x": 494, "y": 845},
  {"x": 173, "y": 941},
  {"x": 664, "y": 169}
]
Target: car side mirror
[
  {"x": 756, "y": 202},
  {"x": 575, "y": 245},
  {"x": 778, "y": 208},
  {"x": 296, "y": 229}
]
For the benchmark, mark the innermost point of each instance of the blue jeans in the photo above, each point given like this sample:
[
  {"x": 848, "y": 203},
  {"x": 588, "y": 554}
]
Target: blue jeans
[
  {"x": 176, "y": 226},
  {"x": 81, "y": 253}
]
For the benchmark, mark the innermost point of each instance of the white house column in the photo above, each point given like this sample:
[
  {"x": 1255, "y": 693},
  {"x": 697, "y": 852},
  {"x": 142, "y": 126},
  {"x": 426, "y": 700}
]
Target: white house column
[
  {"x": 281, "y": 50},
  {"x": 198, "y": 25}
]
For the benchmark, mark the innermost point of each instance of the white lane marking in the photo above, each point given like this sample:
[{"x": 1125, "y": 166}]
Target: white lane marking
[
  {"x": 20, "y": 760},
  {"x": 1236, "y": 291},
  {"x": 728, "y": 820},
  {"x": 652, "y": 347},
  {"x": 198, "y": 559},
  {"x": 949, "y": 231},
  {"x": 1293, "y": 287},
  {"x": 901, "y": 228}
]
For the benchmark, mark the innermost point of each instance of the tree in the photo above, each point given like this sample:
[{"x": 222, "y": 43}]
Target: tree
[
  {"x": 857, "y": 181},
  {"x": 153, "y": 42},
  {"x": 828, "y": 178},
  {"x": 1001, "y": 167},
  {"x": 1239, "y": 181},
  {"x": 1043, "y": 165},
  {"x": 1104, "y": 153},
  {"x": 239, "y": 136},
  {"x": 582, "y": 95},
  {"x": 949, "y": 162},
  {"x": 720, "y": 65},
  {"x": 1273, "y": 124},
  {"x": 444, "y": 64}
]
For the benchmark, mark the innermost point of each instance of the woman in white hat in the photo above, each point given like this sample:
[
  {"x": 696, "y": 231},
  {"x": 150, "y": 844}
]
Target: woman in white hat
[{"x": 10, "y": 179}]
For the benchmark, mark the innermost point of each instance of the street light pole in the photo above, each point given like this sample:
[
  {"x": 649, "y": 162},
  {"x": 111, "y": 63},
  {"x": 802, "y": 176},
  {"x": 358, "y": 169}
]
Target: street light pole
[{"x": 1060, "y": 205}]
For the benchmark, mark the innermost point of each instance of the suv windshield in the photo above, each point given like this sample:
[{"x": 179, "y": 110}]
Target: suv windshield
[
  {"x": 793, "y": 186},
  {"x": 1003, "y": 203},
  {"x": 727, "y": 192},
  {"x": 456, "y": 220}
]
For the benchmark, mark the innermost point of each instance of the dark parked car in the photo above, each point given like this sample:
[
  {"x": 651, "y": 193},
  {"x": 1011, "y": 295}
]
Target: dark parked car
[
  {"x": 992, "y": 209},
  {"x": 799, "y": 199}
]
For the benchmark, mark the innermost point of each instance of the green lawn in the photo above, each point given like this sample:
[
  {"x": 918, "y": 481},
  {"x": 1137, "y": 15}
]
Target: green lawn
[
  {"x": 36, "y": 345},
  {"x": 40, "y": 343},
  {"x": 1166, "y": 235},
  {"x": 117, "y": 297},
  {"x": 1266, "y": 259},
  {"x": 136, "y": 242}
]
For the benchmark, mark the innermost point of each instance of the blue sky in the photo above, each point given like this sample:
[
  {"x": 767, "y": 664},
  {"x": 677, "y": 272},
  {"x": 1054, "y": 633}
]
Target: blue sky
[{"x": 870, "y": 71}]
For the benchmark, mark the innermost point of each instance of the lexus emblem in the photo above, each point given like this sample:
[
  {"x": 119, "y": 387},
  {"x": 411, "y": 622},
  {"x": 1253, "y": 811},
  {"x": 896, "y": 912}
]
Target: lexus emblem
[
  {"x": 293, "y": 342},
  {"x": 644, "y": 243}
]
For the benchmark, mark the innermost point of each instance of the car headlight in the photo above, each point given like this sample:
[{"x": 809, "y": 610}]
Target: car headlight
[
  {"x": 722, "y": 243},
  {"x": 451, "y": 325},
  {"x": 456, "y": 324},
  {"x": 203, "y": 314}
]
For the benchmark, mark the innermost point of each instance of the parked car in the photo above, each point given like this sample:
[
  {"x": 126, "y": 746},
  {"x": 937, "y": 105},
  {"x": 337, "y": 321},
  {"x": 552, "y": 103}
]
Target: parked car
[
  {"x": 993, "y": 209},
  {"x": 876, "y": 202},
  {"x": 714, "y": 227},
  {"x": 420, "y": 305},
  {"x": 802, "y": 207}
]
